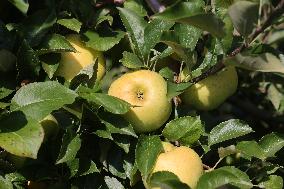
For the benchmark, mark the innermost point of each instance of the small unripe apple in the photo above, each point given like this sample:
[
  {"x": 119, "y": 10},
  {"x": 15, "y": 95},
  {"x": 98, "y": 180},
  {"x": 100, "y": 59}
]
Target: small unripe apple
[
  {"x": 147, "y": 92},
  {"x": 212, "y": 91},
  {"x": 72, "y": 63},
  {"x": 184, "y": 162},
  {"x": 50, "y": 127}
]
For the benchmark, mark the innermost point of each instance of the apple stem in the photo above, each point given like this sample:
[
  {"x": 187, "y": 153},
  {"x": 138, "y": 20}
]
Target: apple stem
[{"x": 156, "y": 6}]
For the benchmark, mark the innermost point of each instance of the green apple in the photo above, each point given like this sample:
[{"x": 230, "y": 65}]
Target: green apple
[
  {"x": 50, "y": 127},
  {"x": 184, "y": 162},
  {"x": 72, "y": 63},
  {"x": 147, "y": 92},
  {"x": 212, "y": 91}
]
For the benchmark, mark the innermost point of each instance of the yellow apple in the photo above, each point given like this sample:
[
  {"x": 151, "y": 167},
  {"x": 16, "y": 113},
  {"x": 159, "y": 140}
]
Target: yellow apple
[
  {"x": 212, "y": 91},
  {"x": 72, "y": 63},
  {"x": 147, "y": 92},
  {"x": 50, "y": 127},
  {"x": 184, "y": 162}
]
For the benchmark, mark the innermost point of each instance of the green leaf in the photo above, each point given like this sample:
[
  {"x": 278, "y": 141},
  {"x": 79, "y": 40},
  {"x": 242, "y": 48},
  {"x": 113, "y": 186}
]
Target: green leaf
[
  {"x": 130, "y": 60},
  {"x": 192, "y": 13},
  {"x": 37, "y": 25},
  {"x": 251, "y": 149},
  {"x": 103, "y": 41},
  {"x": 5, "y": 92},
  {"x": 227, "y": 130},
  {"x": 147, "y": 150},
  {"x": 275, "y": 95},
  {"x": 113, "y": 183},
  {"x": 153, "y": 33},
  {"x": 187, "y": 35},
  {"x": 5, "y": 184},
  {"x": 273, "y": 182},
  {"x": 165, "y": 179},
  {"x": 223, "y": 176},
  {"x": 110, "y": 103},
  {"x": 20, "y": 135},
  {"x": 50, "y": 63},
  {"x": 71, "y": 143},
  {"x": 71, "y": 23},
  {"x": 116, "y": 124},
  {"x": 175, "y": 89},
  {"x": 244, "y": 15},
  {"x": 167, "y": 73},
  {"x": 187, "y": 130},
  {"x": 136, "y": 6},
  {"x": 135, "y": 26},
  {"x": 224, "y": 152},
  {"x": 37, "y": 100},
  {"x": 55, "y": 43},
  {"x": 272, "y": 143},
  {"x": 266, "y": 62},
  {"x": 22, "y": 5},
  {"x": 81, "y": 167}
]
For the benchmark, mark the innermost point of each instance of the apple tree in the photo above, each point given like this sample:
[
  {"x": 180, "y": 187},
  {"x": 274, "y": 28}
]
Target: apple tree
[{"x": 155, "y": 94}]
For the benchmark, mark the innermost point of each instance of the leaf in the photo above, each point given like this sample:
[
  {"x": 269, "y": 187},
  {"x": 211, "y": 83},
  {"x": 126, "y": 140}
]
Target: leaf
[
  {"x": 5, "y": 184},
  {"x": 116, "y": 124},
  {"x": 175, "y": 89},
  {"x": 130, "y": 60},
  {"x": 274, "y": 182},
  {"x": 20, "y": 135},
  {"x": 222, "y": 176},
  {"x": 262, "y": 62},
  {"x": 136, "y": 6},
  {"x": 71, "y": 23},
  {"x": 244, "y": 15},
  {"x": 37, "y": 25},
  {"x": 71, "y": 143},
  {"x": 192, "y": 13},
  {"x": 37, "y": 100},
  {"x": 110, "y": 103},
  {"x": 7, "y": 60},
  {"x": 113, "y": 183},
  {"x": 22, "y": 5},
  {"x": 165, "y": 179},
  {"x": 187, "y": 130},
  {"x": 224, "y": 152},
  {"x": 55, "y": 43},
  {"x": 228, "y": 130},
  {"x": 5, "y": 92},
  {"x": 81, "y": 167},
  {"x": 153, "y": 33},
  {"x": 272, "y": 143},
  {"x": 187, "y": 35},
  {"x": 275, "y": 96},
  {"x": 251, "y": 149},
  {"x": 50, "y": 63},
  {"x": 103, "y": 41},
  {"x": 134, "y": 25},
  {"x": 147, "y": 150}
]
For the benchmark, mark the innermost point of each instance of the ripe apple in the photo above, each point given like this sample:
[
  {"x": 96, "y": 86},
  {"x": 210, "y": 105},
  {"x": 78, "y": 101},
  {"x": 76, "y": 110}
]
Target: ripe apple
[
  {"x": 209, "y": 93},
  {"x": 72, "y": 63},
  {"x": 50, "y": 127},
  {"x": 147, "y": 92},
  {"x": 184, "y": 162}
]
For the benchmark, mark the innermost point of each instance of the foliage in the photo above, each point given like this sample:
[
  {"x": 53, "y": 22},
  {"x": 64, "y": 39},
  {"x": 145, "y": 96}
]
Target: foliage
[{"x": 241, "y": 142}]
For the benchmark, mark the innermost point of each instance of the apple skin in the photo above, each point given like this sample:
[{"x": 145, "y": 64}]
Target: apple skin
[
  {"x": 72, "y": 63},
  {"x": 50, "y": 127},
  {"x": 212, "y": 91},
  {"x": 184, "y": 162},
  {"x": 147, "y": 92}
]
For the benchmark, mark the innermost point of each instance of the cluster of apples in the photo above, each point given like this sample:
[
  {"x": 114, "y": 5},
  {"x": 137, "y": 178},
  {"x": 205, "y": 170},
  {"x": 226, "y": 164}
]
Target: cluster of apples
[{"x": 146, "y": 91}]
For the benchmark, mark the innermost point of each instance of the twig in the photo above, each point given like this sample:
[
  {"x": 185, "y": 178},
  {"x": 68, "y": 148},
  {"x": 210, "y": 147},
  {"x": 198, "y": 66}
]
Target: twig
[
  {"x": 155, "y": 5},
  {"x": 278, "y": 11}
]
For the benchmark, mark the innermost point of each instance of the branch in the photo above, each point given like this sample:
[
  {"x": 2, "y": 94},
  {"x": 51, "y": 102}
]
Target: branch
[
  {"x": 278, "y": 11},
  {"x": 155, "y": 5}
]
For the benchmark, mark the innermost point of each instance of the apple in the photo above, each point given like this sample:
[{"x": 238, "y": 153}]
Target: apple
[
  {"x": 72, "y": 63},
  {"x": 212, "y": 91},
  {"x": 50, "y": 127},
  {"x": 184, "y": 162},
  {"x": 146, "y": 91}
]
